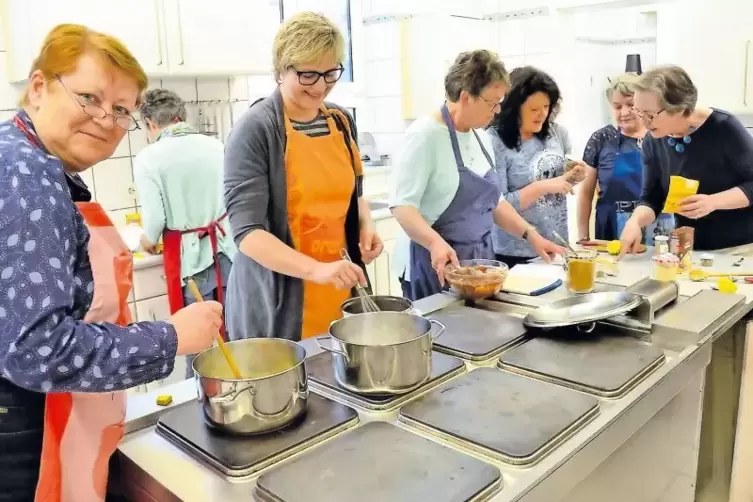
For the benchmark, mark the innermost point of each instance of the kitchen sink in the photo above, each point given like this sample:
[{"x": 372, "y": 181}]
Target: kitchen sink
[{"x": 378, "y": 204}]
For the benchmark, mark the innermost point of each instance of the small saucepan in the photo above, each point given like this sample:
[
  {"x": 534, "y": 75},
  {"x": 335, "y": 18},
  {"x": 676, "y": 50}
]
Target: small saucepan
[{"x": 272, "y": 393}]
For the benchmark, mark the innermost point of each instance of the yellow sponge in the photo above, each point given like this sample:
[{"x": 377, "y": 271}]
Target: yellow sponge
[{"x": 164, "y": 400}]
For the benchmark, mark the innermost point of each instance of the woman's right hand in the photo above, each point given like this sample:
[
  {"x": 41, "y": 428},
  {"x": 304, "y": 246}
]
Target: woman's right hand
[
  {"x": 559, "y": 185},
  {"x": 196, "y": 326},
  {"x": 342, "y": 274},
  {"x": 631, "y": 238},
  {"x": 442, "y": 254}
]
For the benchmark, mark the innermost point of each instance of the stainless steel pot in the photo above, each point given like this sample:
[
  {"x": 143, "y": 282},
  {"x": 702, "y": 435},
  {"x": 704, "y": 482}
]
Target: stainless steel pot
[
  {"x": 353, "y": 306},
  {"x": 273, "y": 393},
  {"x": 382, "y": 352}
]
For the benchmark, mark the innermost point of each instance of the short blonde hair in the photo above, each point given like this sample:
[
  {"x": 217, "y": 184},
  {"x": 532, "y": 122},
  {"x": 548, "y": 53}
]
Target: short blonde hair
[
  {"x": 677, "y": 93},
  {"x": 624, "y": 84},
  {"x": 305, "y": 38},
  {"x": 66, "y": 43}
]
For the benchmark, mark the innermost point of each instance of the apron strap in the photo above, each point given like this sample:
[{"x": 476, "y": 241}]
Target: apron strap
[
  {"x": 453, "y": 136},
  {"x": 486, "y": 154}
]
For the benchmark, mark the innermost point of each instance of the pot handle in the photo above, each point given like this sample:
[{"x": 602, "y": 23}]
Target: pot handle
[
  {"x": 232, "y": 394},
  {"x": 330, "y": 349},
  {"x": 587, "y": 327},
  {"x": 441, "y": 329}
]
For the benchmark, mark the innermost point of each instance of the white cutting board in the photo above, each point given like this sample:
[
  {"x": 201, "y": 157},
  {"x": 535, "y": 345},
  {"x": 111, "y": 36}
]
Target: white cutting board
[{"x": 532, "y": 278}]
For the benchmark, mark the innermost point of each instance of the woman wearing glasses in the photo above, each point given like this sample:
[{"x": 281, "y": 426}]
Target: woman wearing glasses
[
  {"x": 293, "y": 192},
  {"x": 67, "y": 344},
  {"x": 698, "y": 143},
  {"x": 613, "y": 155},
  {"x": 444, "y": 190}
]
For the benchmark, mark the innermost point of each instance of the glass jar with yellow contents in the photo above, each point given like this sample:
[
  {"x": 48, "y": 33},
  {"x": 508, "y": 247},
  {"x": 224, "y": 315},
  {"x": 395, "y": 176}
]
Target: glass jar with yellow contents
[
  {"x": 581, "y": 271},
  {"x": 665, "y": 267}
]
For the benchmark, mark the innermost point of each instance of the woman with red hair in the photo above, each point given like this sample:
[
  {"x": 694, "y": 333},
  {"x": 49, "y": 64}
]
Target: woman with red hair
[{"x": 67, "y": 345}]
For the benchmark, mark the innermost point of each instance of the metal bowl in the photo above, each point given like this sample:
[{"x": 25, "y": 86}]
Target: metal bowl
[
  {"x": 353, "y": 306},
  {"x": 487, "y": 282},
  {"x": 273, "y": 393}
]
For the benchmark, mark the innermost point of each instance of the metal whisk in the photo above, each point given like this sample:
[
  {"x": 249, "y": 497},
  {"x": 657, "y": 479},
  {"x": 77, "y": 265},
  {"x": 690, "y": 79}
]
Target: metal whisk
[{"x": 367, "y": 302}]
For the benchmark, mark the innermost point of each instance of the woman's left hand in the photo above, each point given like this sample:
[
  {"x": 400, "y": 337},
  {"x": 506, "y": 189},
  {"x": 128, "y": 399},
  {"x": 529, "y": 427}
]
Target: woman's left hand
[
  {"x": 545, "y": 248},
  {"x": 370, "y": 244},
  {"x": 697, "y": 206},
  {"x": 577, "y": 170}
]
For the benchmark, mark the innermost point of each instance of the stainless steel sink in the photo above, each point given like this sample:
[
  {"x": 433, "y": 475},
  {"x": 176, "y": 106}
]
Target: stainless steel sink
[{"x": 378, "y": 204}]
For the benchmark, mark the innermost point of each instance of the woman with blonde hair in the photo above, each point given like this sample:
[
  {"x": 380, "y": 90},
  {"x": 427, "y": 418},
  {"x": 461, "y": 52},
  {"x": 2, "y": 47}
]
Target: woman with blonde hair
[
  {"x": 67, "y": 344},
  {"x": 614, "y": 161},
  {"x": 293, "y": 192}
]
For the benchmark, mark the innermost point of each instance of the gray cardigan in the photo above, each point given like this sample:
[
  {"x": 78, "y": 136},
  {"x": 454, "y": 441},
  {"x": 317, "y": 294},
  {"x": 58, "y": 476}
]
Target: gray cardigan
[{"x": 259, "y": 302}]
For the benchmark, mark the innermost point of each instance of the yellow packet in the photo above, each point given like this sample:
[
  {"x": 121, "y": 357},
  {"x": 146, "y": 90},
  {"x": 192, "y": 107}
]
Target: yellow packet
[{"x": 679, "y": 188}]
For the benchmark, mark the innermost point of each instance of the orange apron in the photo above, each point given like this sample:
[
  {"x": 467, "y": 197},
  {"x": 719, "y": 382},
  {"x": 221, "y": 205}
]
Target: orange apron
[
  {"x": 82, "y": 430},
  {"x": 320, "y": 180}
]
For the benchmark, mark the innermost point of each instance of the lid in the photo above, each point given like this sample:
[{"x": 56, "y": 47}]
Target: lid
[
  {"x": 661, "y": 238},
  {"x": 580, "y": 309},
  {"x": 668, "y": 258}
]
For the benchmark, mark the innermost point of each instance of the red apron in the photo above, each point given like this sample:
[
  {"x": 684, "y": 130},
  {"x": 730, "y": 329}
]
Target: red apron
[{"x": 172, "y": 241}]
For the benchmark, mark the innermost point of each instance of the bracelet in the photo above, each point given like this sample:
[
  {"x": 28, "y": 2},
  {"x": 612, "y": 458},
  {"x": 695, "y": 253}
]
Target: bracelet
[{"x": 527, "y": 232}]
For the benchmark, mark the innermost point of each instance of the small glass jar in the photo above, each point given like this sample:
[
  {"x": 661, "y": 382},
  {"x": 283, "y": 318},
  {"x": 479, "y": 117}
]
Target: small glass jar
[
  {"x": 581, "y": 271},
  {"x": 661, "y": 245},
  {"x": 665, "y": 267}
]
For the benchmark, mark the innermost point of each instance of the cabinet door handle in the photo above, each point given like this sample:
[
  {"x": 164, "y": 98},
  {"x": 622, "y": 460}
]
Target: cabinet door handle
[
  {"x": 745, "y": 74},
  {"x": 159, "y": 32},
  {"x": 180, "y": 36}
]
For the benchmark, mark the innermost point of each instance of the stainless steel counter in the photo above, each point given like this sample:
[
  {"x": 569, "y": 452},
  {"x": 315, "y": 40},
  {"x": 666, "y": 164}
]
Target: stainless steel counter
[{"x": 150, "y": 464}]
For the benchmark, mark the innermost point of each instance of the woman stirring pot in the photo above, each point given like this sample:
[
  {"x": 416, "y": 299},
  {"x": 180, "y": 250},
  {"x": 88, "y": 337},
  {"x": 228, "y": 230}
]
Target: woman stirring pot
[{"x": 67, "y": 345}]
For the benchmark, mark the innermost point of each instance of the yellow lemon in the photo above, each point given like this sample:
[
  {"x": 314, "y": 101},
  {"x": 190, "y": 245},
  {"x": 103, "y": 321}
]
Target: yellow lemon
[
  {"x": 726, "y": 285},
  {"x": 614, "y": 247}
]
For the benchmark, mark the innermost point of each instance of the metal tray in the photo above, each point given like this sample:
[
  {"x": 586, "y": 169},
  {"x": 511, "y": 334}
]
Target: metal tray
[{"x": 582, "y": 309}]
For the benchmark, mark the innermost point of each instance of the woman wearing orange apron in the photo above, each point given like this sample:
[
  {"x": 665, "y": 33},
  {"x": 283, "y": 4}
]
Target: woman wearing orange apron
[
  {"x": 67, "y": 345},
  {"x": 293, "y": 192}
]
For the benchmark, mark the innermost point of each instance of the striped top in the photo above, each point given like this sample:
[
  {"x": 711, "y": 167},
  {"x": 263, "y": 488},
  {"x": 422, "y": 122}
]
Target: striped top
[{"x": 314, "y": 128}]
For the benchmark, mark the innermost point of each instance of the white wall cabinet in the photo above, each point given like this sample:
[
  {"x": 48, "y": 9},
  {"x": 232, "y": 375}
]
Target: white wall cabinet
[
  {"x": 714, "y": 43},
  {"x": 384, "y": 281},
  {"x": 168, "y": 37}
]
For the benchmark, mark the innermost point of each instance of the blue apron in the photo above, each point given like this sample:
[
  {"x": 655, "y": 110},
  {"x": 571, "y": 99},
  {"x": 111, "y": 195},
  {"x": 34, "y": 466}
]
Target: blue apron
[
  {"x": 620, "y": 195},
  {"x": 466, "y": 225}
]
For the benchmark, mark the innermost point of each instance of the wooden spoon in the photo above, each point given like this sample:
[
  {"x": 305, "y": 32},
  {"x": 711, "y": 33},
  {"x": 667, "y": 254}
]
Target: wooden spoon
[
  {"x": 698, "y": 275},
  {"x": 225, "y": 352}
]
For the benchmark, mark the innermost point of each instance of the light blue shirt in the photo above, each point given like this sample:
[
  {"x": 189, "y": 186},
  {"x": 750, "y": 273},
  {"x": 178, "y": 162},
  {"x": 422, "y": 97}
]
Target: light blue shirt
[
  {"x": 179, "y": 184},
  {"x": 426, "y": 177},
  {"x": 535, "y": 160}
]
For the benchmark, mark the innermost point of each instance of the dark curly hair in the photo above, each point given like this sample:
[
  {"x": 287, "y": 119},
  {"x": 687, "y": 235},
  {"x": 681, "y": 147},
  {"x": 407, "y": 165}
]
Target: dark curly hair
[
  {"x": 471, "y": 72},
  {"x": 526, "y": 81}
]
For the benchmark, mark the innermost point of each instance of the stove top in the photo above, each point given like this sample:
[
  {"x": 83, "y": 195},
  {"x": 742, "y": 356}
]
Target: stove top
[
  {"x": 322, "y": 379},
  {"x": 237, "y": 456},
  {"x": 504, "y": 416},
  {"x": 603, "y": 364},
  {"x": 380, "y": 462},
  {"x": 475, "y": 333}
]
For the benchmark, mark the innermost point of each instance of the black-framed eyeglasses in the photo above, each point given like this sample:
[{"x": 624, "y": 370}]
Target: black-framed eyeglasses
[
  {"x": 310, "y": 77},
  {"x": 89, "y": 105},
  {"x": 648, "y": 117}
]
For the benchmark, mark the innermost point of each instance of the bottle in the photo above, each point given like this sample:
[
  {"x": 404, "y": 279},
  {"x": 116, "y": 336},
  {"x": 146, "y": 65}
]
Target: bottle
[{"x": 661, "y": 245}]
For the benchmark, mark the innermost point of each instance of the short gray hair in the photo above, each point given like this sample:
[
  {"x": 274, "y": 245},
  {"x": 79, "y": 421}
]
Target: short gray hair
[
  {"x": 162, "y": 107},
  {"x": 472, "y": 72},
  {"x": 672, "y": 84},
  {"x": 624, "y": 84}
]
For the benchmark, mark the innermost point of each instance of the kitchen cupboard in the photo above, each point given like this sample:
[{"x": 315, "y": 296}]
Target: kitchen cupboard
[
  {"x": 168, "y": 37},
  {"x": 714, "y": 43},
  {"x": 384, "y": 280}
]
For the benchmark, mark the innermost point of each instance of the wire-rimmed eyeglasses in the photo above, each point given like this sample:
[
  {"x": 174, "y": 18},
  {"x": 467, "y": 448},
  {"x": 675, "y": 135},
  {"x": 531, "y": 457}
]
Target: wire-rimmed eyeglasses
[{"x": 89, "y": 105}]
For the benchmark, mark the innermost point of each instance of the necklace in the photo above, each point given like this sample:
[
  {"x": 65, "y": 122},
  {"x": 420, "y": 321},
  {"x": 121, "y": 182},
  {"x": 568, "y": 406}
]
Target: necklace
[{"x": 679, "y": 143}]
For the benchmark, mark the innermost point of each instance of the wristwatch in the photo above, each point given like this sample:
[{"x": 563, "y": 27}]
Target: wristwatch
[{"x": 528, "y": 231}]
